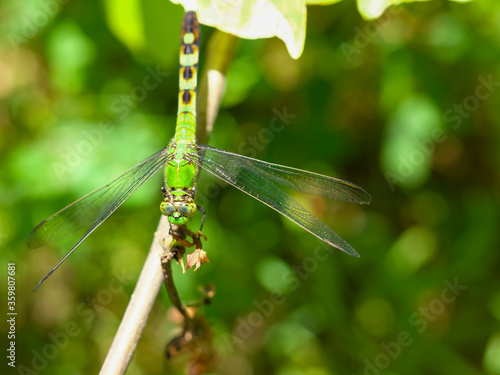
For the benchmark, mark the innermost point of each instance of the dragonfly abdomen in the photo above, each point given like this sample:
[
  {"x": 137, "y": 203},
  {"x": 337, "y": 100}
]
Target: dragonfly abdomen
[
  {"x": 188, "y": 72},
  {"x": 186, "y": 127}
]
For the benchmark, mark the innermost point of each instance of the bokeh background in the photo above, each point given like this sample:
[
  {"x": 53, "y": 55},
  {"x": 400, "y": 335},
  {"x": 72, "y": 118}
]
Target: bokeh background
[{"x": 405, "y": 106}]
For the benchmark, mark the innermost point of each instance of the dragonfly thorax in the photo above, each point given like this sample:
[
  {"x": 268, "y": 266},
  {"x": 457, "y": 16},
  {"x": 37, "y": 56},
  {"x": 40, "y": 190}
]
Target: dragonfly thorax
[{"x": 178, "y": 206}]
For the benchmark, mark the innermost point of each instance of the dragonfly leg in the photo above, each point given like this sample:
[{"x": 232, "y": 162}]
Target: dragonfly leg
[
  {"x": 199, "y": 235},
  {"x": 202, "y": 210},
  {"x": 182, "y": 241},
  {"x": 164, "y": 192}
]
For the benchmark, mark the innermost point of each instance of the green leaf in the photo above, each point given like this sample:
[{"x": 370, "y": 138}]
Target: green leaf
[
  {"x": 146, "y": 27},
  {"x": 254, "y": 19},
  {"x": 126, "y": 21},
  {"x": 413, "y": 133}
]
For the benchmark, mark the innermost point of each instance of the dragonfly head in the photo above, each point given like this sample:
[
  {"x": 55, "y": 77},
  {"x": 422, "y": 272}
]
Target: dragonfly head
[{"x": 179, "y": 207}]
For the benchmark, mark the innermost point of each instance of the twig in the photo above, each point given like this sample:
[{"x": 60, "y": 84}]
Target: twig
[
  {"x": 174, "y": 251},
  {"x": 196, "y": 335},
  {"x": 139, "y": 307}
]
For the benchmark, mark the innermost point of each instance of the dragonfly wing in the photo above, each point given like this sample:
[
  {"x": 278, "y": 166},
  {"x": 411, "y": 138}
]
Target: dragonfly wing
[
  {"x": 265, "y": 182},
  {"x": 91, "y": 210},
  {"x": 297, "y": 179}
]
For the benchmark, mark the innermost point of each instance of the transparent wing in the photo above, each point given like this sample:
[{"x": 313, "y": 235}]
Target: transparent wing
[
  {"x": 265, "y": 182},
  {"x": 91, "y": 210}
]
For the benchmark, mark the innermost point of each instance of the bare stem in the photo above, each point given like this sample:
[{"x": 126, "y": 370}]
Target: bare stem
[
  {"x": 139, "y": 307},
  {"x": 168, "y": 278}
]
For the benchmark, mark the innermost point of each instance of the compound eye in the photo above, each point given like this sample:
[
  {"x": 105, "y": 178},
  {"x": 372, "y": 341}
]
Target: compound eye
[
  {"x": 167, "y": 209},
  {"x": 188, "y": 210}
]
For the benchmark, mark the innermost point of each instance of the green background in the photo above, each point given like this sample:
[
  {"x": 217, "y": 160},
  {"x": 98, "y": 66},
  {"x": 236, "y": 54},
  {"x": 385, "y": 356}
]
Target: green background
[{"x": 400, "y": 106}]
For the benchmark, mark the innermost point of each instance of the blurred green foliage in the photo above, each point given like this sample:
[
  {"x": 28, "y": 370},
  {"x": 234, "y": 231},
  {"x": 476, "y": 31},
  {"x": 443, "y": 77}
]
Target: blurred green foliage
[{"x": 405, "y": 106}]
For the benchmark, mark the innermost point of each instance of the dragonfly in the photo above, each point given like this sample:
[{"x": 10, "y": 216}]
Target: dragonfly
[{"x": 182, "y": 161}]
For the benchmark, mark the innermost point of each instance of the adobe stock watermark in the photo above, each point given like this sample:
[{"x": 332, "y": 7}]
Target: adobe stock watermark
[
  {"x": 250, "y": 148},
  {"x": 263, "y": 309},
  {"x": 90, "y": 139},
  {"x": 420, "y": 321},
  {"x": 59, "y": 341},
  {"x": 31, "y": 25},
  {"x": 454, "y": 117},
  {"x": 265, "y": 136},
  {"x": 121, "y": 107},
  {"x": 364, "y": 36}
]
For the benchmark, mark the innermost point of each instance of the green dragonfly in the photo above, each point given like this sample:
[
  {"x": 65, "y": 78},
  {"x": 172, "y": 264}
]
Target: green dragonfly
[{"x": 182, "y": 160}]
